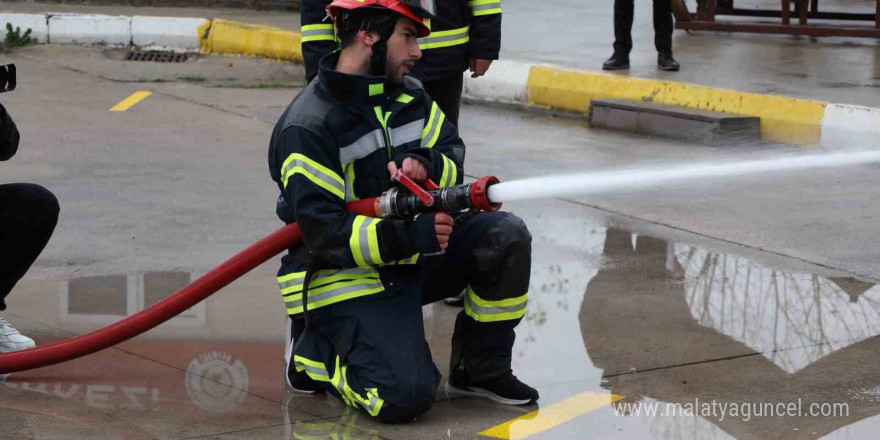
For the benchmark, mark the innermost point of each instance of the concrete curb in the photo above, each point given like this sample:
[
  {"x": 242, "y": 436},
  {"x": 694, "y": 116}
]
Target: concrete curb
[
  {"x": 783, "y": 119},
  {"x": 208, "y": 36},
  {"x": 37, "y": 23},
  {"x": 167, "y": 32}
]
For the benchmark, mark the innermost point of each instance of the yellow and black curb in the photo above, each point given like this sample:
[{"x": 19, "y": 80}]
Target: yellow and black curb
[
  {"x": 220, "y": 36},
  {"x": 783, "y": 119}
]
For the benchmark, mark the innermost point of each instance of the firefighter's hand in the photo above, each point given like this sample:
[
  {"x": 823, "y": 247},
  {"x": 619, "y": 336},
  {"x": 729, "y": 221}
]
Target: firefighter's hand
[
  {"x": 411, "y": 168},
  {"x": 478, "y": 67},
  {"x": 429, "y": 232},
  {"x": 443, "y": 228}
]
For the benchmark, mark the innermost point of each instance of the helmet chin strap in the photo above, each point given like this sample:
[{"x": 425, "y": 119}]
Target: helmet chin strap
[
  {"x": 379, "y": 60},
  {"x": 381, "y": 21}
]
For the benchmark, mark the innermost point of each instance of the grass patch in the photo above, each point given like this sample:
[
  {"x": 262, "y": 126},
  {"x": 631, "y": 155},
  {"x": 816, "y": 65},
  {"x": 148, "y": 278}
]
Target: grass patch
[
  {"x": 192, "y": 78},
  {"x": 14, "y": 38}
]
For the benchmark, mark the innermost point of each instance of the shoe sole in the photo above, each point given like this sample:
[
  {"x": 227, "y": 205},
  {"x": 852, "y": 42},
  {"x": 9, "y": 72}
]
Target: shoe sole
[
  {"x": 616, "y": 68},
  {"x": 480, "y": 392},
  {"x": 10, "y": 350},
  {"x": 288, "y": 355},
  {"x": 290, "y": 387},
  {"x": 668, "y": 69}
]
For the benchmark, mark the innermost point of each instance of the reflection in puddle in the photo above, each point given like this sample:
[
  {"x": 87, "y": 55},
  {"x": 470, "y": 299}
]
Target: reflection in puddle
[
  {"x": 107, "y": 298},
  {"x": 698, "y": 326},
  {"x": 106, "y": 395},
  {"x": 866, "y": 394},
  {"x": 217, "y": 381},
  {"x": 769, "y": 309},
  {"x": 344, "y": 429}
]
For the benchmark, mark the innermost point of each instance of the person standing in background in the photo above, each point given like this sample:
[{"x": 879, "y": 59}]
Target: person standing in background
[
  {"x": 623, "y": 21},
  {"x": 465, "y": 35}
]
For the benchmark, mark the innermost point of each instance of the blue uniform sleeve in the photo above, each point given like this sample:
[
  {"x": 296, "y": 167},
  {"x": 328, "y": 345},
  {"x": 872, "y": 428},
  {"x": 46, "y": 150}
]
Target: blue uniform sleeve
[
  {"x": 318, "y": 34},
  {"x": 485, "y": 31}
]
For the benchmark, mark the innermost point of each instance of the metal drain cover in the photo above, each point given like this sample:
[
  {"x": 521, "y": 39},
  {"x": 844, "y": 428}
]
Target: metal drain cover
[{"x": 158, "y": 56}]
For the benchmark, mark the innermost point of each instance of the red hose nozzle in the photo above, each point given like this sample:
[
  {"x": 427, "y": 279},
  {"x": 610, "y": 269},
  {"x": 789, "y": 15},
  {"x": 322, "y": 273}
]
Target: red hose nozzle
[{"x": 480, "y": 194}]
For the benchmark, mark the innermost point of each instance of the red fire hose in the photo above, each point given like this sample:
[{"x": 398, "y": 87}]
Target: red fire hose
[
  {"x": 169, "y": 307},
  {"x": 473, "y": 196},
  {"x": 158, "y": 313}
]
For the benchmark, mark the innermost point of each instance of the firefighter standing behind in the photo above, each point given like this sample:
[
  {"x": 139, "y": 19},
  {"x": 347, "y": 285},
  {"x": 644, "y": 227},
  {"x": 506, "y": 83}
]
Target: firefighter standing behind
[
  {"x": 465, "y": 35},
  {"x": 358, "y": 331}
]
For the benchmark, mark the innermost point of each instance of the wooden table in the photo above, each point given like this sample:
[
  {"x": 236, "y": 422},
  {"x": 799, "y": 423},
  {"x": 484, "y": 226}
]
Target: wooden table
[{"x": 705, "y": 19}]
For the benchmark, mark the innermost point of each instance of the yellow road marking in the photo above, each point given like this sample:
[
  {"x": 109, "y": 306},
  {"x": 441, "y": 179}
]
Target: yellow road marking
[
  {"x": 129, "y": 102},
  {"x": 553, "y": 415}
]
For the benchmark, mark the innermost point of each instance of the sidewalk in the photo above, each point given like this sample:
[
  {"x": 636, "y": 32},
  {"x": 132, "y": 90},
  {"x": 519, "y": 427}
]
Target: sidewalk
[{"x": 797, "y": 86}]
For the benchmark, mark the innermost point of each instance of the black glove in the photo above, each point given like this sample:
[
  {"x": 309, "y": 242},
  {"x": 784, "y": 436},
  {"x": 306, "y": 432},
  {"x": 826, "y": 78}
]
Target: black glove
[
  {"x": 9, "y": 136},
  {"x": 423, "y": 235}
]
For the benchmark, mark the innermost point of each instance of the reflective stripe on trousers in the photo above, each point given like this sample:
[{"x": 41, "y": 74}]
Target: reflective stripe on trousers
[
  {"x": 491, "y": 311},
  {"x": 372, "y": 404},
  {"x": 329, "y": 287}
]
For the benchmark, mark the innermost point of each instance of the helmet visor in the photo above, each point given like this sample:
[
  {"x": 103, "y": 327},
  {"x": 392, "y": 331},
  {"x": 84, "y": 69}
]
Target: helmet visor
[{"x": 421, "y": 8}]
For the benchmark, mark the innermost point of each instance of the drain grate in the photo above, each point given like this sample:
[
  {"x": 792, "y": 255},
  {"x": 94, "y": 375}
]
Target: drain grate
[{"x": 158, "y": 56}]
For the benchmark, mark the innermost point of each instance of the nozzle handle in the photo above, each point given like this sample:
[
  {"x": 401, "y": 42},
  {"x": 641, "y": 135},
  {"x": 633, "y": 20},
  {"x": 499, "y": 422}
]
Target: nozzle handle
[{"x": 426, "y": 198}]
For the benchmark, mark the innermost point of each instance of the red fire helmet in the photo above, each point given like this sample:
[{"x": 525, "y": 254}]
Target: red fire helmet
[{"x": 419, "y": 11}]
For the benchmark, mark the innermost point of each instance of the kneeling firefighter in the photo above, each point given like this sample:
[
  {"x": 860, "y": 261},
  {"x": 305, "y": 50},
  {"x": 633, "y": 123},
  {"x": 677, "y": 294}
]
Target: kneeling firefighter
[{"x": 357, "y": 331}]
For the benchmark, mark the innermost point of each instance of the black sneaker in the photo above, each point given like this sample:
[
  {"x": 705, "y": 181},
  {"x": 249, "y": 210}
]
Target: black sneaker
[
  {"x": 666, "y": 62},
  {"x": 616, "y": 62},
  {"x": 506, "y": 389}
]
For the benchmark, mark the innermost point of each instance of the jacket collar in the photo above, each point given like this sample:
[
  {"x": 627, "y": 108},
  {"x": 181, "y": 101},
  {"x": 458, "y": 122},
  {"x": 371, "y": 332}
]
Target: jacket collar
[{"x": 375, "y": 90}]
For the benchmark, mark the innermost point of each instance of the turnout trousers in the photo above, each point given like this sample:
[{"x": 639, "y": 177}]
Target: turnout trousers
[
  {"x": 446, "y": 92},
  {"x": 371, "y": 351},
  {"x": 623, "y": 21}
]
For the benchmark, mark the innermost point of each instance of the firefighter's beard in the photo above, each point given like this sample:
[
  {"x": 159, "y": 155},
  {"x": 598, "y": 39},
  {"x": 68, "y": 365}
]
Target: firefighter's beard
[{"x": 396, "y": 70}]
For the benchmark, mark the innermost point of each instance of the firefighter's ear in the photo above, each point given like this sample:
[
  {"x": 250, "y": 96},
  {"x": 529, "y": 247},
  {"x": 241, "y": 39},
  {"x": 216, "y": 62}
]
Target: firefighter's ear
[{"x": 369, "y": 38}]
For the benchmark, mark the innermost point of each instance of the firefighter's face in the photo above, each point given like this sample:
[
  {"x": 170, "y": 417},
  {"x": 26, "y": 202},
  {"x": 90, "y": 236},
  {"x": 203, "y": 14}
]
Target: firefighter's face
[{"x": 403, "y": 50}]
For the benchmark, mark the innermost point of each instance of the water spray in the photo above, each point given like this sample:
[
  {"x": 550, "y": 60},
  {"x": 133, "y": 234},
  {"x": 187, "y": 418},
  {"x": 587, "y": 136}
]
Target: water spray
[{"x": 634, "y": 178}]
